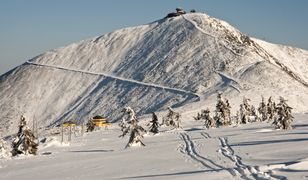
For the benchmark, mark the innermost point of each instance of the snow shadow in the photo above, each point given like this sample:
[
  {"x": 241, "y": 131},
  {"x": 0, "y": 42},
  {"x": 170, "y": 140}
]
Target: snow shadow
[
  {"x": 194, "y": 129},
  {"x": 299, "y": 125},
  {"x": 92, "y": 151},
  {"x": 253, "y": 143},
  {"x": 168, "y": 174},
  {"x": 292, "y": 170},
  {"x": 296, "y": 133}
]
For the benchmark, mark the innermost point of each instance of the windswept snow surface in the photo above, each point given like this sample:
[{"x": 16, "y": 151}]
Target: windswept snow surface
[
  {"x": 252, "y": 151},
  {"x": 180, "y": 62}
]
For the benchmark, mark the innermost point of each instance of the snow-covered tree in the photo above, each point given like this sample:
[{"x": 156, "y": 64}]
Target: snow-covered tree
[
  {"x": 244, "y": 117},
  {"x": 154, "y": 124},
  {"x": 130, "y": 115},
  {"x": 4, "y": 152},
  {"x": 222, "y": 113},
  {"x": 284, "y": 118},
  {"x": 271, "y": 109},
  {"x": 237, "y": 118},
  {"x": 25, "y": 141},
  {"x": 90, "y": 126},
  {"x": 247, "y": 111},
  {"x": 130, "y": 125},
  {"x": 172, "y": 119},
  {"x": 208, "y": 120},
  {"x": 262, "y": 109}
]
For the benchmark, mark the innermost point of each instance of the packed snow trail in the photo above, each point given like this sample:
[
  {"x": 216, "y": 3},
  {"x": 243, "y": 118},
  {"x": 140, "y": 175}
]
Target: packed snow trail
[
  {"x": 208, "y": 34},
  {"x": 118, "y": 78},
  {"x": 244, "y": 170},
  {"x": 190, "y": 151},
  {"x": 260, "y": 51}
]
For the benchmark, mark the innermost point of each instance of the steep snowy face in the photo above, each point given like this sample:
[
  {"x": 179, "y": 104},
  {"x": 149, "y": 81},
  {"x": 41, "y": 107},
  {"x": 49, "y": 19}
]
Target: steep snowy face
[{"x": 170, "y": 62}]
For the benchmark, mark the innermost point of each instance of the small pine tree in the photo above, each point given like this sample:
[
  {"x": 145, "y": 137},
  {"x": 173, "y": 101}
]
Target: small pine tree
[
  {"x": 271, "y": 109},
  {"x": 198, "y": 117},
  {"x": 4, "y": 153},
  {"x": 247, "y": 111},
  {"x": 244, "y": 117},
  {"x": 208, "y": 120},
  {"x": 90, "y": 126},
  {"x": 237, "y": 118},
  {"x": 172, "y": 119},
  {"x": 222, "y": 113},
  {"x": 131, "y": 125},
  {"x": 24, "y": 142},
  {"x": 284, "y": 117},
  {"x": 154, "y": 124},
  {"x": 262, "y": 109}
]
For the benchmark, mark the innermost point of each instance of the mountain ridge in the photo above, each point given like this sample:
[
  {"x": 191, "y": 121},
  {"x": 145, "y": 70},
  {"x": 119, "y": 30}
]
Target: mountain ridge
[{"x": 169, "y": 62}]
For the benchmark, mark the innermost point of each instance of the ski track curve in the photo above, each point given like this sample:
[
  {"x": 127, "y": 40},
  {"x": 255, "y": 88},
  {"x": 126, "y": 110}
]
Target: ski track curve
[{"x": 246, "y": 171}]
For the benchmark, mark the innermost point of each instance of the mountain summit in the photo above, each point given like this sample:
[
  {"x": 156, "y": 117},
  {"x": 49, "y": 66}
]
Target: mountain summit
[{"x": 171, "y": 62}]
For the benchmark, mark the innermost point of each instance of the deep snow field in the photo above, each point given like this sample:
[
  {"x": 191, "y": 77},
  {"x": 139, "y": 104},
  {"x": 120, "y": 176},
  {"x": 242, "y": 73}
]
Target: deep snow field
[{"x": 251, "y": 151}]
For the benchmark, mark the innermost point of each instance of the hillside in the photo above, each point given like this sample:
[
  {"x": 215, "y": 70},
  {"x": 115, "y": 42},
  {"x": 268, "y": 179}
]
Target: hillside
[{"x": 170, "y": 62}]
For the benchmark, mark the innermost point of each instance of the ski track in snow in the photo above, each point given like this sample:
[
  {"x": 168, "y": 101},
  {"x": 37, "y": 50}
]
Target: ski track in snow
[
  {"x": 205, "y": 135},
  {"x": 190, "y": 150},
  {"x": 118, "y": 78},
  {"x": 246, "y": 172}
]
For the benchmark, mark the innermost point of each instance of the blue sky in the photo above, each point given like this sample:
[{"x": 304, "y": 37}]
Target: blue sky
[{"x": 31, "y": 27}]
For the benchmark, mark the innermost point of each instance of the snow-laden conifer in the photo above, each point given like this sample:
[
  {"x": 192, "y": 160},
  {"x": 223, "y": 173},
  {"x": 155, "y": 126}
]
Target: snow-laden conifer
[
  {"x": 130, "y": 125},
  {"x": 154, "y": 124},
  {"x": 25, "y": 141},
  {"x": 172, "y": 119},
  {"x": 4, "y": 152},
  {"x": 247, "y": 112},
  {"x": 271, "y": 109},
  {"x": 222, "y": 112},
  {"x": 262, "y": 109},
  {"x": 206, "y": 117},
  {"x": 284, "y": 118}
]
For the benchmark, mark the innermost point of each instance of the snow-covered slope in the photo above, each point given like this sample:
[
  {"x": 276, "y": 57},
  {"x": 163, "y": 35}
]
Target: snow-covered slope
[
  {"x": 170, "y": 62},
  {"x": 252, "y": 151}
]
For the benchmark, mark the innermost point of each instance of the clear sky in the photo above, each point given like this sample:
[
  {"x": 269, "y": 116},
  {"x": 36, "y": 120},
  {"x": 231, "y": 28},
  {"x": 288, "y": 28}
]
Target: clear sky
[{"x": 31, "y": 27}]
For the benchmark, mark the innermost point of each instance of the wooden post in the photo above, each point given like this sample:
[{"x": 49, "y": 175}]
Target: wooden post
[
  {"x": 82, "y": 129},
  {"x": 62, "y": 132},
  {"x": 36, "y": 129},
  {"x": 70, "y": 134},
  {"x": 33, "y": 126}
]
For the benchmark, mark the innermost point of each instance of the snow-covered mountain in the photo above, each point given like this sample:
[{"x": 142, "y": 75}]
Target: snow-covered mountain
[{"x": 170, "y": 62}]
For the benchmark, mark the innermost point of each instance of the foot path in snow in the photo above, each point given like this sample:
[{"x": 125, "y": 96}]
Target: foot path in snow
[
  {"x": 190, "y": 150},
  {"x": 208, "y": 34},
  {"x": 120, "y": 79},
  {"x": 240, "y": 170},
  {"x": 261, "y": 51},
  {"x": 245, "y": 171}
]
